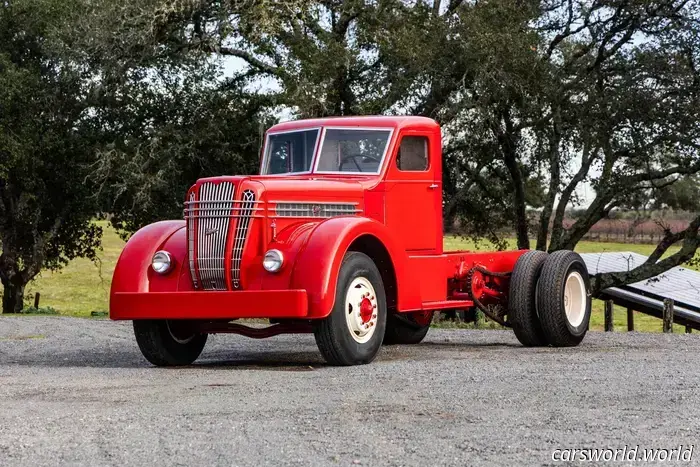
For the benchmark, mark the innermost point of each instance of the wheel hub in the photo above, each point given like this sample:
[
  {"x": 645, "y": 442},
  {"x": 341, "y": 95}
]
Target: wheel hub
[
  {"x": 366, "y": 310},
  {"x": 361, "y": 309},
  {"x": 575, "y": 300}
]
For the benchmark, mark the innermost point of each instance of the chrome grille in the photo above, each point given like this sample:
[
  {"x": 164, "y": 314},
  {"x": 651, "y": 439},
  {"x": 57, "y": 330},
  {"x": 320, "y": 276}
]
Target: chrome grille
[
  {"x": 323, "y": 210},
  {"x": 244, "y": 214},
  {"x": 212, "y": 212},
  {"x": 190, "y": 240}
]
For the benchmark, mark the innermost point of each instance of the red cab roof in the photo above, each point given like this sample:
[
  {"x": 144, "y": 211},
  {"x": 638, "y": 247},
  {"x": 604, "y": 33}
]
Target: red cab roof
[{"x": 377, "y": 121}]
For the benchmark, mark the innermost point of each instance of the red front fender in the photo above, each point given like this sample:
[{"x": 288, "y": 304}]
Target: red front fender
[
  {"x": 317, "y": 265},
  {"x": 132, "y": 273}
]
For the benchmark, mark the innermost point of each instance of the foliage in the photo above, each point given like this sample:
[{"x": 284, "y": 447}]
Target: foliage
[
  {"x": 192, "y": 132},
  {"x": 47, "y": 143},
  {"x": 168, "y": 114}
]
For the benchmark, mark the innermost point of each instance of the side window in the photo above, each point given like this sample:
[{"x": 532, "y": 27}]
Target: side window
[{"x": 413, "y": 154}]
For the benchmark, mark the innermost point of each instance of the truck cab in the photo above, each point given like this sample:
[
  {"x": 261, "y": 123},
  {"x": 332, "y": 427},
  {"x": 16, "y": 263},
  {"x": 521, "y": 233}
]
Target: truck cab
[{"x": 340, "y": 234}]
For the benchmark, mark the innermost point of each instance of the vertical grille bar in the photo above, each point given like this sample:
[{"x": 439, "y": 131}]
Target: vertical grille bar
[
  {"x": 245, "y": 212},
  {"x": 190, "y": 241}
]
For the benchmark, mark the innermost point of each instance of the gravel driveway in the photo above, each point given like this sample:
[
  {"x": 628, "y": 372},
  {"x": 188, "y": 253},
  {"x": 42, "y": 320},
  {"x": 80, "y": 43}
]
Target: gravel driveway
[{"x": 78, "y": 392}]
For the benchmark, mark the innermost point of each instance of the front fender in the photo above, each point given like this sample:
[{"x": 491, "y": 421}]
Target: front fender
[
  {"x": 317, "y": 265},
  {"x": 133, "y": 272}
]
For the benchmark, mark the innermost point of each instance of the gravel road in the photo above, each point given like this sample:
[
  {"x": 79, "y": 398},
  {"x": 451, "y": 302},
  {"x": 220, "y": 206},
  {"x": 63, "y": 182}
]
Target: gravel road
[{"x": 78, "y": 392}]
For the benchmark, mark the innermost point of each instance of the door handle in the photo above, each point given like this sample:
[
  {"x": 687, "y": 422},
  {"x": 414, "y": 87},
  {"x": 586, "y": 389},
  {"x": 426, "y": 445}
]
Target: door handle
[{"x": 433, "y": 186}]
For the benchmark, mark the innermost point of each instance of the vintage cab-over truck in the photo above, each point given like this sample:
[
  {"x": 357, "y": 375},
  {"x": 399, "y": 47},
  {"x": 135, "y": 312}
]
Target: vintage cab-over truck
[{"x": 340, "y": 235}]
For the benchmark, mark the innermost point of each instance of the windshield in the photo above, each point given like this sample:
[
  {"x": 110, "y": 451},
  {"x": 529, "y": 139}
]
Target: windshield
[
  {"x": 290, "y": 152},
  {"x": 352, "y": 150}
]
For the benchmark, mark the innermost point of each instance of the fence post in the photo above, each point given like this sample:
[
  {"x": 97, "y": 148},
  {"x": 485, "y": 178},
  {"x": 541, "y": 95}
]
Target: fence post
[
  {"x": 608, "y": 316},
  {"x": 668, "y": 315},
  {"x": 630, "y": 319},
  {"x": 37, "y": 296}
]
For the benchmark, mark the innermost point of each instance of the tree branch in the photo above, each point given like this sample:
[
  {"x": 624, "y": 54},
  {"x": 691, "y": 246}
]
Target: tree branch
[
  {"x": 652, "y": 267},
  {"x": 250, "y": 58}
]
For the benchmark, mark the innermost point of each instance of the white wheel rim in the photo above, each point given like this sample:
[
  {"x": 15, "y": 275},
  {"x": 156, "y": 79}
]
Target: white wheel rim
[
  {"x": 179, "y": 340},
  {"x": 575, "y": 299},
  {"x": 361, "y": 309}
]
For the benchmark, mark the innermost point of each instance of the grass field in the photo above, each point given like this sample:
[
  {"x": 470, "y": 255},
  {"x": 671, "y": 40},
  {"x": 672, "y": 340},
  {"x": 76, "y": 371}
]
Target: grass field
[{"x": 83, "y": 286}]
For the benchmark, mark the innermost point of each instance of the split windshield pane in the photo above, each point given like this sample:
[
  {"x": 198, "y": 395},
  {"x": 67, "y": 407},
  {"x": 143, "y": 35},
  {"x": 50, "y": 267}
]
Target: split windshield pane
[
  {"x": 352, "y": 150},
  {"x": 290, "y": 152}
]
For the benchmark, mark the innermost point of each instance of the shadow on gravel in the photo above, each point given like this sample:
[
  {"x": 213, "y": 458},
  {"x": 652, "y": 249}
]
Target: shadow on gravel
[
  {"x": 280, "y": 361},
  {"x": 238, "y": 359},
  {"x": 87, "y": 358}
]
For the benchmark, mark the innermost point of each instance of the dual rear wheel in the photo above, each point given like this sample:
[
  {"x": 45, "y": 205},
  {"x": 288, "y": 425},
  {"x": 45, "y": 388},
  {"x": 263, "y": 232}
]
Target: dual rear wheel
[{"x": 549, "y": 301}]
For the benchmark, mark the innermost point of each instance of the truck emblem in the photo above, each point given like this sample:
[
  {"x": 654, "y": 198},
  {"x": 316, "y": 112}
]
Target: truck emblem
[
  {"x": 316, "y": 209},
  {"x": 210, "y": 231}
]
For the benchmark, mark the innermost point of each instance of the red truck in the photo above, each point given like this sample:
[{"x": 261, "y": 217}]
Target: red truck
[{"x": 340, "y": 236}]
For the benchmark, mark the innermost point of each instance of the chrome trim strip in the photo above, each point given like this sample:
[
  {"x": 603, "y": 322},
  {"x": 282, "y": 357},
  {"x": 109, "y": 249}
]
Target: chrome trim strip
[
  {"x": 241, "y": 234},
  {"x": 315, "y": 210},
  {"x": 190, "y": 244},
  {"x": 354, "y": 203},
  {"x": 187, "y": 203}
]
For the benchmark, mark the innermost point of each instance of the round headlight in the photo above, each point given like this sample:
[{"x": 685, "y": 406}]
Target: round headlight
[
  {"x": 272, "y": 262},
  {"x": 162, "y": 262}
]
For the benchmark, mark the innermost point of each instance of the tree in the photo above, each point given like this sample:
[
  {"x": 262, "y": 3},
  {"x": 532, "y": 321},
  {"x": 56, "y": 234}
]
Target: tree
[
  {"x": 46, "y": 148},
  {"x": 168, "y": 115},
  {"x": 171, "y": 132}
]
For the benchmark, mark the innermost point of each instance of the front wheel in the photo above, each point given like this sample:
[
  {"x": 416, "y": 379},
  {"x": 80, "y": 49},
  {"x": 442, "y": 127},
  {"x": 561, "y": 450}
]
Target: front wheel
[
  {"x": 168, "y": 343},
  {"x": 352, "y": 334}
]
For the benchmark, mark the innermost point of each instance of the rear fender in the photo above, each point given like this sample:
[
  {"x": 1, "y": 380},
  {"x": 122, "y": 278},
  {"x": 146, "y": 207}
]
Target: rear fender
[
  {"x": 133, "y": 272},
  {"x": 318, "y": 263}
]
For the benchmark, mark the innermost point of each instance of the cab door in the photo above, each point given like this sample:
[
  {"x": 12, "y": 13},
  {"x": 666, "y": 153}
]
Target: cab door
[{"x": 413, "y": 192}]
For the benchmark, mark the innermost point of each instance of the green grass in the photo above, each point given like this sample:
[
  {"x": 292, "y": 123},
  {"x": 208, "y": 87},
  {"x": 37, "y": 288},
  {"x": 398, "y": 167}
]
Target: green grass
[{"x": 82, "y": 287}]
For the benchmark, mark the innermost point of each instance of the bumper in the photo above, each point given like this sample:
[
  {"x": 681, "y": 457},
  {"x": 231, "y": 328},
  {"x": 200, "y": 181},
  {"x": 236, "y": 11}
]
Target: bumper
[{"x": 209, "y": 305}]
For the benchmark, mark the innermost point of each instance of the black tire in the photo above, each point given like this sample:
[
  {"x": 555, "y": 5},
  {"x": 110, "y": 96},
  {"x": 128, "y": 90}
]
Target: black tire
[
  {"x": 402, "y": 328},
  {"x": 333, "y": 334},
  {"x": 522, "y": 299},
  {"x": 559, "y": 329},
  {"x": 166, "y": 345}
]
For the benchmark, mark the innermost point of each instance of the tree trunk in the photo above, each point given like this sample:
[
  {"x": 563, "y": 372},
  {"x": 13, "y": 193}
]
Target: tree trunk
[
  {"x": 12, "y": 297},
  {"x": 508, "y": 141}
]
